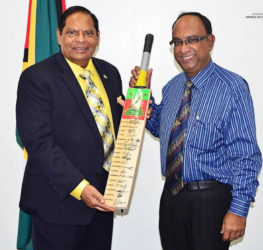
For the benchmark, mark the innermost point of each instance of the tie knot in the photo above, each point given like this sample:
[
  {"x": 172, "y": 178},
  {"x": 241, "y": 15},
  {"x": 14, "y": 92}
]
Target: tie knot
[
  {"x": 189, "y": 85},
  {"x": 85, "y": 74}
]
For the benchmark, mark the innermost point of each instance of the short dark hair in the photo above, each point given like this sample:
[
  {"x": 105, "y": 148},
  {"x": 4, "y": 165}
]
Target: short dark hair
[
  {"x": 206, "y": 22},
  {"x": 71, "y": 10}
]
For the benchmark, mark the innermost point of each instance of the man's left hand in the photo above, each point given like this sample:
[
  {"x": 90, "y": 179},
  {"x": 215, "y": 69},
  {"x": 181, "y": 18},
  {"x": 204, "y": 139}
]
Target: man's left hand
[{"x": 233, "y": 227}]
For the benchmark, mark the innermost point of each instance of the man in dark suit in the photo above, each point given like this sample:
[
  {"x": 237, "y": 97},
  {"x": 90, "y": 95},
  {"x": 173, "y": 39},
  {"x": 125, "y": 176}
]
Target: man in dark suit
[{"x": 65, "y": 175}]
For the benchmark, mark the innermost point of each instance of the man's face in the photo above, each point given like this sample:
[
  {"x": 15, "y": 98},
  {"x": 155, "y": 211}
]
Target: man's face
[
  {"x": 192, "y": 57},
  {"x": 79, "y": 39}
]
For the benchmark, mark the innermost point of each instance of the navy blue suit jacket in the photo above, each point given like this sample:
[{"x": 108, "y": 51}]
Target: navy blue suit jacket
[{"x": 60, "y": 134}]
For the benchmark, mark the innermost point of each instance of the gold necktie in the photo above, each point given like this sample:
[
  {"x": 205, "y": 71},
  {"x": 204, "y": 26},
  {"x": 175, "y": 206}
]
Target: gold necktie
[{"x": 100, "y": 115}]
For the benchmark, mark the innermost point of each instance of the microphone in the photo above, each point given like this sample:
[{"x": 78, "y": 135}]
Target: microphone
[{"x": 141, "y": 82}]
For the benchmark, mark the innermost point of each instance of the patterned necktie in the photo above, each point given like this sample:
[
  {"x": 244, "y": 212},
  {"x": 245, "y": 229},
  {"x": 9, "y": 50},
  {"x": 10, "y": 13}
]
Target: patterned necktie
[
  {"x": 174, "y": 162},
  {"x": 100, "y": 115}
]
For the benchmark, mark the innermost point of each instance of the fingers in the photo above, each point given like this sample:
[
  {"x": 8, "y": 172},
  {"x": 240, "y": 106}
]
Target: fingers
[
  {"x": 223, "y": 228},
  {"x": 233, "y": 227},
  {"x": 105, "y": 208},
  {"x": 226, "y": 234},
  {"x": 234, "y": 234},
  {"x": 148, "y": 79},
  {"x": 149, "y": 112},
  {"x": 120, "y": 101},
  {"x": 94, "y": 199},
  {"x": 135, "y": 73},
  {"x": 230, "y": 235}
]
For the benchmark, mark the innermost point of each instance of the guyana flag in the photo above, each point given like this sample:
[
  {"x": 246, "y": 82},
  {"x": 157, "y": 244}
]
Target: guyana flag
[{"x": 41, "y": 42}]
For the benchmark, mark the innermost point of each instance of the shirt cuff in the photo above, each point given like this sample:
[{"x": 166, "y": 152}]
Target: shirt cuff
[
  {"x": 239, "y": 207},
  {"x": 76, "y": 193}
]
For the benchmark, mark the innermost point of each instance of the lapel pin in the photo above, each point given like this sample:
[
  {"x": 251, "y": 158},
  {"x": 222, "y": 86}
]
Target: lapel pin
[{"x": 105, "y": 76}]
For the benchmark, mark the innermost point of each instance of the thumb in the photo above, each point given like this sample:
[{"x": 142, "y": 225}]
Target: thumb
[
  {"x": 148, "y": 78},
  {"x": 120, "y": 101}
]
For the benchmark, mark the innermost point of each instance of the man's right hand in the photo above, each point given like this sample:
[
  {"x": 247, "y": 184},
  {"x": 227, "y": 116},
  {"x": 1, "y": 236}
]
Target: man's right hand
[
  {"x": 94, "y": 199},
  {"x": 135, "y": 73}
]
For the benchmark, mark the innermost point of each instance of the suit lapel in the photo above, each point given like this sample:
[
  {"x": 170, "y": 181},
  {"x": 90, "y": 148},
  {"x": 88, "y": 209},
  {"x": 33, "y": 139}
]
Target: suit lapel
[{"x": 69, "y": 79}]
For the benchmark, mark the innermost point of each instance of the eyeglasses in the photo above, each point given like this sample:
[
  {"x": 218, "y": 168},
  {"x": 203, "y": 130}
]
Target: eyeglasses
[{"x": 194, "y": 40}]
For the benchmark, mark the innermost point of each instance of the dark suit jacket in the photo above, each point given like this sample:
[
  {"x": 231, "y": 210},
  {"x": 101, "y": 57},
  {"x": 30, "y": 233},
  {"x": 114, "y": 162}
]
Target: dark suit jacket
[{"x": 60, "y": 134}]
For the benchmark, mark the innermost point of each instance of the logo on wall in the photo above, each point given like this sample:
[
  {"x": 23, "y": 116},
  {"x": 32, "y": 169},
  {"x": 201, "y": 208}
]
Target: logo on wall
[{"x": 255, "y": 16}]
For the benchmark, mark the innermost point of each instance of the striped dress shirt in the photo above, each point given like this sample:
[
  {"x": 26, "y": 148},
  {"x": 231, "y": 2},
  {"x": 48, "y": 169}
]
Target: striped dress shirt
[{"x": 221, "y": 140}]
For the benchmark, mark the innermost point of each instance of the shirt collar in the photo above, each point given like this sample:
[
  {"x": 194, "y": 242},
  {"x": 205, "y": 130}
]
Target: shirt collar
[
  {"x": 77, "y": 70},
  {"x": 200, "y": 78}
]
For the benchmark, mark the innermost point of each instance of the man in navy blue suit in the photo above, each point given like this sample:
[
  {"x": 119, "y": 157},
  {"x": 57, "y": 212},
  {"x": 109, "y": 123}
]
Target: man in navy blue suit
[{"x": 65, "y": 175}]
